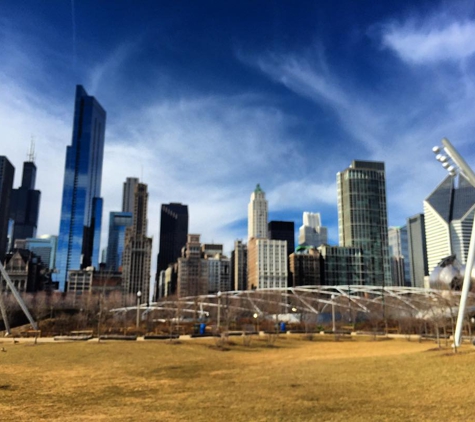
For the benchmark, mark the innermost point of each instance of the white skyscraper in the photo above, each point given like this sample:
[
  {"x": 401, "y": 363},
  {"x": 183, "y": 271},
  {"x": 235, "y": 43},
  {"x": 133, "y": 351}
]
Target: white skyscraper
[
  {"x": 267, "y": 259},
  {"x": 257, "y": 215},
  {"x": 449, "y": 212},
  {"x": 312, "y": 233}
]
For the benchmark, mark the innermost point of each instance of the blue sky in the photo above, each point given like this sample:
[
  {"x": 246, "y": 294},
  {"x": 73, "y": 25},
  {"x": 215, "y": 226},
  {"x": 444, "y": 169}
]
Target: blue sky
[{"x": 206, "y": 99}]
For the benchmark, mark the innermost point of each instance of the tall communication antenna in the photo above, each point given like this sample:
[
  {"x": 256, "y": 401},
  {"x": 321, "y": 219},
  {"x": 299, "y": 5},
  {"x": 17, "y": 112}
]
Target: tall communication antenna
[{"x": 30, "y": 156}]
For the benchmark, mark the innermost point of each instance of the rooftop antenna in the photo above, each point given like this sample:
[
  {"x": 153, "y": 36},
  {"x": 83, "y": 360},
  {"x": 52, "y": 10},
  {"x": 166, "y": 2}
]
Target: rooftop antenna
[
  {"x": 31, "y": 153},
  {"x": 141, "y": 173}
]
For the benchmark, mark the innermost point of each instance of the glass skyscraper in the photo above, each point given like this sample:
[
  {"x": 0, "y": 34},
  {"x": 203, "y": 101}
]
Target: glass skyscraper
[
  {"x": 362, "y": 217},
  {"x": 118, "y": 222},
  {"x": 81, "y": 211}
]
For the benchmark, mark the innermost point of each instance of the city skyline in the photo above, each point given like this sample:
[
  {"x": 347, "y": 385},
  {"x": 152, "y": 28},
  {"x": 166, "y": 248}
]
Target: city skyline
[{"x": 277, "y": 95}]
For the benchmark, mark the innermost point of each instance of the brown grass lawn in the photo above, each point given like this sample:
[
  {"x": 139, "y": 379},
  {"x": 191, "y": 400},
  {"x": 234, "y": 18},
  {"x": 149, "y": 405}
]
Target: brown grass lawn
[{"x": 295, "y": 380}]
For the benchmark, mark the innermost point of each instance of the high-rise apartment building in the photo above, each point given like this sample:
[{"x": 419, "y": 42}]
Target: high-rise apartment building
[
  {"x": 257, "y": 215},
  {"x": 239, "y": 266},
  {"x": 449, "y": 212},
  {"x": 136, "y": 258},
  {"x": 25, "y": 204},
  {"x": 417, "y": 250},
  {"x": 81, "y": 210},
  {"x": 7, "y": 173},
  {"x": 192, "y": 269},
  {"x": 118, "y": 223},
  {"x": 362, "y": 217},
  {"x": 128, "y": 195},
  {"x": 312, "y": 233}
]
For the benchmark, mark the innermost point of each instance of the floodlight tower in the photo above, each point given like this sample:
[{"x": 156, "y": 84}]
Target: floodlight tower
[{"x": 454, "y": 163}]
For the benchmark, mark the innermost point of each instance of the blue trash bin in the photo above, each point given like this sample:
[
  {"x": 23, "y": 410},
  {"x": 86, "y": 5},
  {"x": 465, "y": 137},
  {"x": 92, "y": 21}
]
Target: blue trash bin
[
  {"x": 283, "y": 327},
  {"x": 202, "y": 328}
]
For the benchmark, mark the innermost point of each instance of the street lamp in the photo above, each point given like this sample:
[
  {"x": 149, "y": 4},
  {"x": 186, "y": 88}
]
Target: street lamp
[
  {"x": 454, "y": 163},
  {"x": 139, "y": 294},
  {"x": 256, "y": 315}
]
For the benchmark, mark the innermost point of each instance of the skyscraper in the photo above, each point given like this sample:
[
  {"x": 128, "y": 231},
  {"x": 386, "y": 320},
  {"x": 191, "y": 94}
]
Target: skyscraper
[
  {"x": 25, "y": 204},
  {"x": 417, "y": 250},
  {"x": 283, "y": 230},
  {"x": 239, "y": 266},
  {"x": 312, "y": 233},
  {"x": 362, "y": 217},
  {"x": 137, "y": 254},
  {"x": 267, "y": 263},
  {"x": 81, "y": 210},
  {"x": 257, "y": 215},
  {"x": 173, "y": 234},
  {"x": 128, "y": 196},
  {"x": 192, "y": 269},
  {"x": 118, "y": 223},
  {"x": 399, "y": 255},
  {"x": 7, "y": 173},
  {"x": 449, "y": 212}
]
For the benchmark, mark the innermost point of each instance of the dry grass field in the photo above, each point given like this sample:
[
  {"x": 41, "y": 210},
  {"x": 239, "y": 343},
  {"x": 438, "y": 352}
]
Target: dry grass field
[{"x": 294, "y": 380}]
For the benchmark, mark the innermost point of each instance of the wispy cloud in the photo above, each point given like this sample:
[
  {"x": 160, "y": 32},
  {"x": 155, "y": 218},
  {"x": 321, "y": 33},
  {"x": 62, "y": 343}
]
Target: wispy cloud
[{"x": 430, "y": 41}]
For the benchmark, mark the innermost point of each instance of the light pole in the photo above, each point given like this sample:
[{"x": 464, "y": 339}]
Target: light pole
[
  {"x": 333, "y": 315},
  {"x": 139, "y": 294},
  {"x": 453, "y": 163},
  {"x": 257, "y": 322},
  {"x": 219, "y": 311}
]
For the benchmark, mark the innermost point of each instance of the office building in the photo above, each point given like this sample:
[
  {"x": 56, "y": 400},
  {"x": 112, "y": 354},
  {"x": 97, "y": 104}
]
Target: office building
[
  {"x": 239, "y": 266},
  {"x": 136, "y": 258},
  {"x": 304, "y": 267},
  {"x": 449, "y": 212},
  {"x": 399, "y": 256},
  {"x": 81, "y": 210},
  {"x": 283, "y": 230},
  {"x": 7, "y": 173},
  {"x": 173, "y": 234},
  {"x": 45, "y": 247},
  {"x": 192, "y": 279},
  {"x": 416, "y": 238},
  {"x": 118, "y": 223},
  {"x": 219, "y": 273},
  {"x": 362, "y": 217},
  {"x": 25, "y": 203},
  {"x": 312, "y": 233},
  {"x": 257, "y": 215},
  {"x": 128, "y": 193},
  {"x": 342, "y": 265},
  {"x": 267, "y": 264}
]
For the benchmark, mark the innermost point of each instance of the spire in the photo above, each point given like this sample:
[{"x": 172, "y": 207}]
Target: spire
[{"x": 30, "y": 157}]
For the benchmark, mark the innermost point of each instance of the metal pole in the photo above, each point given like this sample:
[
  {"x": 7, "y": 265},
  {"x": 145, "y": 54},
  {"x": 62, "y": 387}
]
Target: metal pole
[
  {"x": 4, "y": 314},
  {"x": 18, "y": 297},
  {"x": 138, "y": 312},
  {"x": 470, "y": 175},
  {"x": 219, "y": 311},
  {"x": 465, "y": 288},
  {"x": 333, "y": 315}
]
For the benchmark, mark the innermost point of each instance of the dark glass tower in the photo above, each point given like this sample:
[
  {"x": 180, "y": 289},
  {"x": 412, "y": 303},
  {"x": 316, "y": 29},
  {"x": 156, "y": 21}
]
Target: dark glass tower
[
  {"x": 7, "y": 172},
  {"x": 25, "y": 205},
  {"x": 173, "y": 234},
  {"x": 81, "y": 211},
  {"x": 118, "y": 223},
  {"x": 283, "y": 230}
]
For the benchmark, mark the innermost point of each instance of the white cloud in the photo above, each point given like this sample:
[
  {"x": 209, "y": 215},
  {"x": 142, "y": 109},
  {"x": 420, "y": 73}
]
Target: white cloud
[{"x": 435, "y": 40}]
